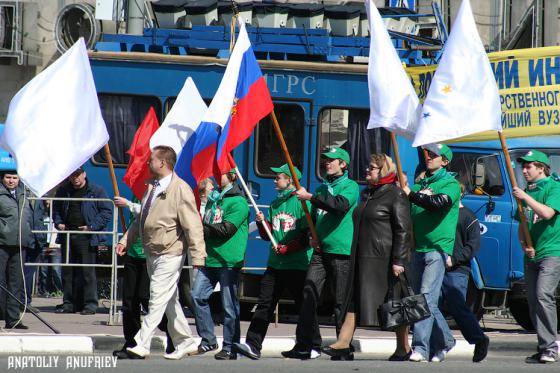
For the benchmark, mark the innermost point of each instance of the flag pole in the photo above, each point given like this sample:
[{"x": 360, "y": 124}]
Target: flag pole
[
  {"x": 293, "y": 172},
  {"x": 522, "y": 218},
  {"x": 252, "y": 200},
  {"x": 397, "y": 159},
  {"x": 114, "y": 181}
]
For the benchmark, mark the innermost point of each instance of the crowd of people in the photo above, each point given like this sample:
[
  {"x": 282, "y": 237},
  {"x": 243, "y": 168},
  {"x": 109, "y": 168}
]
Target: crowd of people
[{"x": 419, "y": 234}]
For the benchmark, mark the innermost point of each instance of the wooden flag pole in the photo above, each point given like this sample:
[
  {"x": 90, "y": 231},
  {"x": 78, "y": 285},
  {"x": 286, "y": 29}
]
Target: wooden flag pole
[
  {"x": 115, "y": 185},
  {"x": 293, "y": 172},
  {"x": 400, "y": 173},
  {"x": 522, "y": 218}
]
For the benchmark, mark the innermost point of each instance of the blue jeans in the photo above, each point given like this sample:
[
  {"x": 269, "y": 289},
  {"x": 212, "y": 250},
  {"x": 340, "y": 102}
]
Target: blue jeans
[
  {"x": 428, "y": 270},
  {"x": 454, "y": 292},
  {"x": 204, "y": 284}
]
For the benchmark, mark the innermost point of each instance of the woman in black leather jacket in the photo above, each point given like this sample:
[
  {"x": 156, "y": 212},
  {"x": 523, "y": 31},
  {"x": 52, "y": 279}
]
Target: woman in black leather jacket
[{"x": 380, "y": 251}]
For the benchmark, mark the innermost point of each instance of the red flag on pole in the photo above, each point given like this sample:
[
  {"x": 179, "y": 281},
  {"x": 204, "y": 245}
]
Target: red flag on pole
[{"x": 137, "y": 171}]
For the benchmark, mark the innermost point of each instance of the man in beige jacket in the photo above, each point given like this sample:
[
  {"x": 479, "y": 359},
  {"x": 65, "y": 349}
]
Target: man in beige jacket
[{"x": 168, "y": 224}]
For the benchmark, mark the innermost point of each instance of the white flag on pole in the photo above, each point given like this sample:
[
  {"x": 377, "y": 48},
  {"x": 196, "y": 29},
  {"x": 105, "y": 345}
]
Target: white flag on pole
[
  {"x": 182, "y": 120},
  {"x": 393, "y": 102},
  {"x": 463, "y": 97},
  {"x": 54, "y": 122}
]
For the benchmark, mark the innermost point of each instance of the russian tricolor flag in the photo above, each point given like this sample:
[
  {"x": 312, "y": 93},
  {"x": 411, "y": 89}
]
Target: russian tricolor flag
[{"x": 241, "y": 101}]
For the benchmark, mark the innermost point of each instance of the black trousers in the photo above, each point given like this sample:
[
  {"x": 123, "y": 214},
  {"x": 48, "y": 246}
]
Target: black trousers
[
  {"x": 136, "y": 292},
  {"x": 273, "y": 284},
  {"x": 323, "y": 267},
  {"x": 12, "y": 279},
  {"x": 79, "y": 283}
]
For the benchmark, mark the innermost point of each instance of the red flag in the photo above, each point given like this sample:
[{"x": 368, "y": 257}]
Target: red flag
[{"x": 137, "y": 171}]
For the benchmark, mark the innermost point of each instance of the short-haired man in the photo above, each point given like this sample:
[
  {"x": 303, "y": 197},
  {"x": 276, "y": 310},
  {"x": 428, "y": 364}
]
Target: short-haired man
[
  {"x": 287, "y": 262},
  {"x": 12, "y": 206},
  {"x": 435, "y": 210},
  {"x": 168, "y": 224},
  {"x": 332, "y": 207},
  {"x": 85, "y": 216},
  {"x": 226, "y": 232},
  {"x": 541, "y": 201}
]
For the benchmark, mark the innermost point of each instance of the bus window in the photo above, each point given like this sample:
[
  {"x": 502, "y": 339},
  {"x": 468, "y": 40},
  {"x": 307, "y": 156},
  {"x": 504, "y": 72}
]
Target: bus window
[
  {"x": 123, "y": 114},
  {"x": 487, "y": 167},
  {"x": 347, "y": 129},
  {"x": 268, "y": 152}
]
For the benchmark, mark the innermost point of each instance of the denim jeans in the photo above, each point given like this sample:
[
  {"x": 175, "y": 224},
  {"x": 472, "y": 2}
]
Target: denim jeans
[
  {"x": 454, "y": 292},
  {"x": 204, "y": 284},
  {"x": 542, "y": 278},
  {"x": 50, "y": 278},
  {"x": 428, "y": 270}
]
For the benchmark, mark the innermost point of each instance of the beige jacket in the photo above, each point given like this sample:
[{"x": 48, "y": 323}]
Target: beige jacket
[{"x": 172, "y": 225}]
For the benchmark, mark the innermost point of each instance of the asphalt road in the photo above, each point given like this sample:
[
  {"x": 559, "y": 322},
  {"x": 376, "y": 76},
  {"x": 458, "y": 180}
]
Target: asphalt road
[{"x": 503, "y": 362}]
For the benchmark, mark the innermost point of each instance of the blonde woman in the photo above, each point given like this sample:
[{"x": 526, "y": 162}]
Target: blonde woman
[{"x": 380, "y": 251}]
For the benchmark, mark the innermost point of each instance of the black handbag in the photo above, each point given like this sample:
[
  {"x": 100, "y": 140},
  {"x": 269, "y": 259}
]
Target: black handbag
[{"x": 407, "y": 310}]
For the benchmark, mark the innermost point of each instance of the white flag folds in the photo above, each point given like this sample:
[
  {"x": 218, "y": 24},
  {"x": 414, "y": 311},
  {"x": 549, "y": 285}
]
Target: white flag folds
[
  {"x": 393, "y": 102},
  {"x": 182, "y": 120},
  {"x": 54, "y": 122},
  {"x": 463, "y": 97}
]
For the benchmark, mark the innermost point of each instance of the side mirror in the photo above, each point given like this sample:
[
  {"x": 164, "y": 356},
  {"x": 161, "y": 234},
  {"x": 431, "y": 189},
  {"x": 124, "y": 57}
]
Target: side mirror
[{"x": 479, "y": 174}]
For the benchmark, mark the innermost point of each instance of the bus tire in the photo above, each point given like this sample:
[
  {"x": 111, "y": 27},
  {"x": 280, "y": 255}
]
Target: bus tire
[{"x": 520, "y": 312}]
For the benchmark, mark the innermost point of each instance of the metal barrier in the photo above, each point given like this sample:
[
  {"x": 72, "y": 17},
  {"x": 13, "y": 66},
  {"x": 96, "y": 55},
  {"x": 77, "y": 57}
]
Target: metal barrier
[{"x": 114, "y": 233}]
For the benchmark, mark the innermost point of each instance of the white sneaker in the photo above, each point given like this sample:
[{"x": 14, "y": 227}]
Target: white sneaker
[
  {"x": 138, "y": 351},
  {"x": 182, "y": 350},
  {"x": 314, "y": 354},
  {"x": 417, "y": 357},
  {"x": 439, "y": 357}
]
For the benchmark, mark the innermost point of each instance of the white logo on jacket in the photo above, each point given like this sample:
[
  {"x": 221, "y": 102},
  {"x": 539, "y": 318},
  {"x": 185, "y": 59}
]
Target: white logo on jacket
[{"x": 284, "y": 222}]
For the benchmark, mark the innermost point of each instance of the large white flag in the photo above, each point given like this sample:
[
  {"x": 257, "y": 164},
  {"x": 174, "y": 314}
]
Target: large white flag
[
  {"x": 463, "y": 97},
  {"x": 393, "y": 103},
  {"x": 182, "y": 120},
  {"x": 54, "y": 122}
]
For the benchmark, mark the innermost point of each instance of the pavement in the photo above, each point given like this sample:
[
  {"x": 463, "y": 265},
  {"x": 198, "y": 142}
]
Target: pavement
[{"x": 87, "y": 334}]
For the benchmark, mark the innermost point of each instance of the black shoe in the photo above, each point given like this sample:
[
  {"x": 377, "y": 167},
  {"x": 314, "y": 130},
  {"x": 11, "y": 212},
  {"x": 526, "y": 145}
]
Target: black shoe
[
  {"x": 246, "y": 350},
  {"x": 123, "y": 354},
  {"x": 17, "y": 326},
  {"x": 533, "y": 359},
  {"x": 336, "y": 352},
  {"x": 301, "y": 355},
  {"x": 64, "y": 310},
  {"x": 87, "y": 312},
  {"x": 348, "y": 357},
  {"x": 202, "y": 349},
  {"x": 481, "y": 350},
  {"x": 225, "y": 355},
  {"x": 404, "y": 357}
]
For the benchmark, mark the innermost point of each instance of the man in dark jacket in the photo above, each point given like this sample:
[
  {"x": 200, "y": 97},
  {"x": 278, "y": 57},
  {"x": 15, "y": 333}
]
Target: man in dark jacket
[
  {"x": 12, "y": 205},
  {"x": 80, "y": 216},
  {"x": 456, "y": 280}
]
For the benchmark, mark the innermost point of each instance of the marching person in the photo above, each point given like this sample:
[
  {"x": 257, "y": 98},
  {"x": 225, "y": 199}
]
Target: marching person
[
  {"x": 435, "y": 210},
  {"x": 380, "y": 252},
  {"x": 13, "y": 207},
  {"x": 456, "y": 281},
  {"x": 169, "y": 225},
  {"x": 80, "y": 296},
  {"x": 541, "y": 201},
  {"x": 226, "y": 234},
  {"x": 287, "y": 262},
  {"x": 136, "y": 288},
  {"x": 332, "y": 207}
]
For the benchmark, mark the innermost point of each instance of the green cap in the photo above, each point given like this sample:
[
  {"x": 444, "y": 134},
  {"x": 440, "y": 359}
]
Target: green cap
[
  {"x": 232, "y": 171},
  {"x": 337, "y": 153},
  {"x": 534, "y": 156},
  {"x": 445, "y": 151},
  {"x": 285, "y": 169}
]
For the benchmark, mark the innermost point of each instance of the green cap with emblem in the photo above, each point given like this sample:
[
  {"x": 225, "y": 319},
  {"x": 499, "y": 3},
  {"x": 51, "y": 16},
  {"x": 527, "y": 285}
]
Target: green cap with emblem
[
  {"x": 337, "y": 153},
  {"x": 285, "y": 169},
  {"x": 534, "y": 156},
  {"x": 445, "y": 151}
]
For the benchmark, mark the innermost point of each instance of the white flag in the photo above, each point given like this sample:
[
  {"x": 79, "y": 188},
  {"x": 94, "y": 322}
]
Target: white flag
[
  {"x": 463, "y": 97},
  {"x": 182, "y": 120},
  {"x": 393, "y": 103},
  {"x": 54, "y": 122}
]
